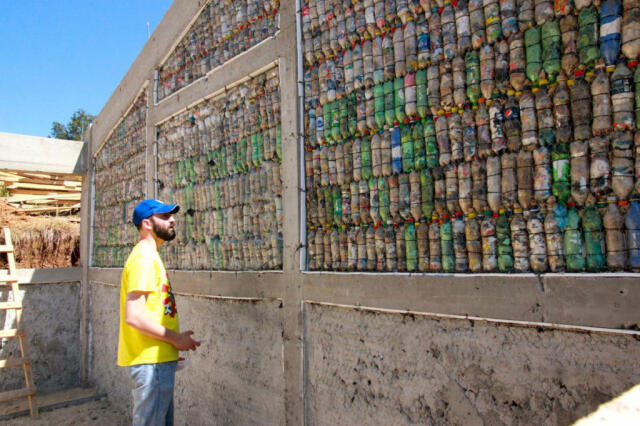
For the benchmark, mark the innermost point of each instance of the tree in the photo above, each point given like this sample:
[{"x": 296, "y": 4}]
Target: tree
[{"x": 74, "y": 129}]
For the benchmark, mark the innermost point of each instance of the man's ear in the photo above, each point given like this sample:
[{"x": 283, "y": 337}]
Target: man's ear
[{"x": 146, "y": 223}]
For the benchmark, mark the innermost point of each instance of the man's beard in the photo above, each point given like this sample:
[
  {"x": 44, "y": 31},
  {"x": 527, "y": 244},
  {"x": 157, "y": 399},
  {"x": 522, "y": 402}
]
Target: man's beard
[{"x": 166, "y": 234}]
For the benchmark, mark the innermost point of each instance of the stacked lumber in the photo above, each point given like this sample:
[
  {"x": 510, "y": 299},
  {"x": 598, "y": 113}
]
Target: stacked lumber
[{"x": 41, "y": 193}]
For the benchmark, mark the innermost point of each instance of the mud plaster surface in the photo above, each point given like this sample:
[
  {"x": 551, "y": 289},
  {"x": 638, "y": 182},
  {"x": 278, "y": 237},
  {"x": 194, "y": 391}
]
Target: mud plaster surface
[
  {"x": 100, "y": 412},
  {"x": 235, "y": 377},
  {"x": 371, "y": 368},
  {"x": 51, "y": 319}
]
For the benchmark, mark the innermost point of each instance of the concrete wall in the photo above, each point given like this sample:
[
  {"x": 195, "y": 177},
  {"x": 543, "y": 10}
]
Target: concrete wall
[
  {"x": 563, "y": 343},
  {"x": 235, "y": 376},
  {"x": 51, "y": 319}
]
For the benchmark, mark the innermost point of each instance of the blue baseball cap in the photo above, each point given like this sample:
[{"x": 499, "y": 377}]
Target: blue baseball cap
[{"x": 146, "y": 208}]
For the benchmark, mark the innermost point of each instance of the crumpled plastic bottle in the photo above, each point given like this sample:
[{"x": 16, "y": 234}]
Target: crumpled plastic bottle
[
  {"x": 631, "y": 29},
  {"x": 508, "y": 180},
  {"x": 502, "y": 65},
  {"x": 588, "y": 36},
  {"x": 569, "y": 30},
  {"x": 460, "y": 244},
  {"x": 448, "y": 21},
  {"x": 622, "y": 164},
  {"x": 423, "y": 42},
  {"x": 601, "y": 95},
  {"x": 614, "y": 236},
  {"x": 509, "y": 19},
  {"x": 632, "y": 223},
  {"x": 487, "y": 71},
  {"x": 543, "y": 11},
  {"x": 537, "y": 242},
  {"x": 600, "y": 170},
  {"x": 447, "y": 255},
  {"x": 517, "y": 61},
  {"x": 580, "y": 106},
  {"x": 533, "y": 50},
  {"x": 463, "y": 26},
  {"x": 593, "y": 238},
  {"x": 526, "y": 14},
  {"x": 503, "y": 235},
  {"x": 493, "y": 183},
  {"x": 542, "y": 174},
  {"x": 551, "y": 46},
  {"x": 422, "y": 238},
  {"x": 433, "y": 88},
  {"x": 469, "y": 134},
  {"x": 622, "y": 97},
  {"x": 435, "y": 262},
  {"x": 476, "y": 19},
  {"x": 562, "y": 111},
  {"x": 442, "y": 136},
  {"x": 579, "y": 171},
  {"x": 492, "y": 20},
  {"x": 489, "y": 242},
  {"x": 573, "y": 243},
  {"x": 554, "y": 238},
  {"x": 525, "y": 178},
  {"x": 482, "y": 128},
  {"x": 435, "y": 30},
  {"x": 529, "y": 120},
  {"x": 446, "y": 86}
]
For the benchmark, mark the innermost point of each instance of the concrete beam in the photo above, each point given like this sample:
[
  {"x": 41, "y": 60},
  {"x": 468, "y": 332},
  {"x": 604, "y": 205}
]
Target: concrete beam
[
  {"x": 47, "y": 275},
  {"x": 38, "y": 154}
]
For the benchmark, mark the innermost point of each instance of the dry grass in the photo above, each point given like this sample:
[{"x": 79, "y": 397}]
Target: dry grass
[{"x": 42, "y": 241}]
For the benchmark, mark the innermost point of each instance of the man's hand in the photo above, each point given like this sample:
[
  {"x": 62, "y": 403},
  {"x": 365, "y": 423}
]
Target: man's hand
[{"x": 184, "y": 342}]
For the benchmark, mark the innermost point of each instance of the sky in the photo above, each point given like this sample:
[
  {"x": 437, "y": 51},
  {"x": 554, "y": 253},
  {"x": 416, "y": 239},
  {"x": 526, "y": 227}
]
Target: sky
[{"x": 60, "y": 56}]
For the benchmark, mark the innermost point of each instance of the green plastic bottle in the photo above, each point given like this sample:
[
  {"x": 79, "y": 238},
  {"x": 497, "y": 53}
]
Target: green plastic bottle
[
  {"x": 426, "y": 192},
  {"x": 534, "y": 54},
  {"x": 561, "y": 186},
  {"x": 472, "y": 66},
  {"x": 588, "y": 36},
  {"x": 365, "y": 158},
  {"x": 551, "y": 49},
  {"x": 446, "y": 244},
  {"x": 430, "y": 142},
  {"x": 593, "y": 238},
  {"x": 383, "y": 195},
  {"x": 411, "y": 247},
  {"x": 407, "y": 149},
  {"x": 505, "y": 251},
  {"x": 389, "y": 110},
  {"x": 378, "y": 99},
  {"x": 419, "y": 152},
  {"x": 573, "y": 241}
]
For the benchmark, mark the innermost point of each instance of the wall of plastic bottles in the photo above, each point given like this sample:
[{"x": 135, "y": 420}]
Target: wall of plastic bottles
[
  {"x": 223, "y": 30},
  {"x": 472, "y": 135},
  {"x": 220, "y": 160},
  {"x": 119, "y": 185}
]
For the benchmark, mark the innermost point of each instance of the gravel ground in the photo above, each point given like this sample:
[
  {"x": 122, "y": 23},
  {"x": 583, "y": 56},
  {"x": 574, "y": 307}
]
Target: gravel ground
[{"x": 99, "y": 412}]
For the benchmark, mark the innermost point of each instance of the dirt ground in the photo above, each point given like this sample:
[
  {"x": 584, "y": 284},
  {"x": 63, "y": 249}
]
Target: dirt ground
[{"x": 99, "y": 412}]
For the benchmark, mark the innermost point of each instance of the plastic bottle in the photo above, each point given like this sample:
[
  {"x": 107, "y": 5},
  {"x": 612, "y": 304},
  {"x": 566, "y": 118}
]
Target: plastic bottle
[
  {"x": 430, "y": 142},
  {"x": 354, "y": 190},
  {"x": 435, "y": 263},
  {"x": 551, "y": 46},
  {"x": 489, "y": 243},
  {"x": 459, "y": 79},
  {"x": 374, "y": 200},
  {"x": 562, "y": 111},
  {"x": 401, "y": 251},
  {"x": 410, "y": 46},
  {"x": 631, "y": 29},
  {"x": 573, "y": 245},
  {"x": 508, "y": 17},
  {"x": 404, "y": 204},
  {"x": 435, "y": 31},
  {"x": 610, "y": 26},
  {"x": 454, "y": 122},
  {"x": 482, "y": 128},
  {"x": 508, "y": 181},
  {"x": 600, "y": 171},
  {"x": 614, "y": 237},
  {"x": 492, "y": 20},
  {"x": 525, "y": 178},
  {"x": 487, "y": 71},
  {"x": 433, "y": 88},
  {"x": 469, "y": 135},
  {"x": 543, "y": 11},
  {"x": 472, "y": 80},
  {"x": 402, "y": 10},
  {"x": 476, "y": 20},
  {"x": 517, "y": 61},
  {"x": 419, "y": 152},
  {"x": 365, "y": 205},
  {"x": 422, "y": 100},
  {"x": 422, "y": 239},
  {"x": 588, "y": 36},
  {"x": 537, "y": 243},
  {"x": 399, "y": 99},
  {"x": 632, "y": 223},
  {"x": 579, "y": 171},
  {"x": 569, "y": 30},
  {"x": 451, "y": 187},
  {"x": 622, "y": 164},
  {"x": 426, "y": 192},
  {"x": 446, "y": 244},
  {"x": 554, "y": 239},
  {"x": 394, "y": 198},
  {"x": 533, "y": 50},
  {"x": 347, "y": 152},
  {"x": 601, "y": 95},
  {"x": 580, "y": 107},
  {"x": 496, "y": 115},
  {"x": 345, "y": 194},
  {"x": 439, "y": 191},
  {"x": 529, "y": 120},
  {"x": 407, "y": 148},
  {"x": 460, "y": 244},
  {"x": 446, "y": 86},
  {"x": 526, "y": 14},
  {"x": 423, "y": 42},
  {"x": 493, "y": 183},
  {"x": 505, "y": 251},
  {"x": 512, "y": 122},
  {"x": 384, "y": 200},
  {"x": 465, "y": 187},
  {"x": 447, "y": 16},
  {"x": 622, "y": 97},
  {"x": 561, "y": 187},
  {"x": 442, "y": 136},
  {"x": 390, "y": 248},
  {"x": 396, "y": 150},
  {"x": 479, "y": 187},
  {"x": 463, "y": 26},
  {"x": 542, "y": 175},
  {"x": 593, "y": 237}
]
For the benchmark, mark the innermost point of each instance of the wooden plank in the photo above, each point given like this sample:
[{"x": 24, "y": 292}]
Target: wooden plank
[
  {"x": 38, "y": 197},
  {"x": 15, "y": 394},
  {"x": 5, "y": 248},
  {"x": 10, "y": 305},
  {"x": 7, "y": 279},
  {"x": 14, "y": 362},
  {"x": 49, "y": 209},
  {"x": 11, "y": 332},
  {"x": 21, "y": 185}
]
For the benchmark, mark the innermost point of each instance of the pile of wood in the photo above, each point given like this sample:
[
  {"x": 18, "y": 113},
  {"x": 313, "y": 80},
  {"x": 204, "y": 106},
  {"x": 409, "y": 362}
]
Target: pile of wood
[{"x": 41, "y": 193}]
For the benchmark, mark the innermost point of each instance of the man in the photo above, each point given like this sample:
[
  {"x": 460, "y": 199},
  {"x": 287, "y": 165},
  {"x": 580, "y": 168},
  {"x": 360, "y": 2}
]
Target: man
[{"x": 150, "y": 336}]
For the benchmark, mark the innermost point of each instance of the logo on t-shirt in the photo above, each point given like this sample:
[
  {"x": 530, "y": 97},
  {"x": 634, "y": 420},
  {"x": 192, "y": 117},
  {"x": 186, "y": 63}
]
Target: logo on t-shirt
[{"x": 169, "y": 301}]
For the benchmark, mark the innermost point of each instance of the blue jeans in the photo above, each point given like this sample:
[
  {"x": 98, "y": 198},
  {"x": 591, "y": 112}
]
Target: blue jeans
[{"x": 153, "y": 393}]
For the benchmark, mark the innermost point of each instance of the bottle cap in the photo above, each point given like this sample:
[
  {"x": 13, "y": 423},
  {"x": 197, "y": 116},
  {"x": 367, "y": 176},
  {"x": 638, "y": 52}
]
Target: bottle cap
[
  {"x": 611, "y": 68},
  {"x": 510, "y": 92},
  {"x": 501, "y": 211},
  {"x": 471, "y": 215}
]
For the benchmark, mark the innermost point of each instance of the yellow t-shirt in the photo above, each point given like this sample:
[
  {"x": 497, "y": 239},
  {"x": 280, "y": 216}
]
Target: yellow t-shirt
[{"x": 144, "y": 271}]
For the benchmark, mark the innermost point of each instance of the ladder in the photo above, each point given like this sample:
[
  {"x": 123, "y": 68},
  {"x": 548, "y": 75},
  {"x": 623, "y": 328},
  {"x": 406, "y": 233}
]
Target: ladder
[{"x": 16, "y": 305}]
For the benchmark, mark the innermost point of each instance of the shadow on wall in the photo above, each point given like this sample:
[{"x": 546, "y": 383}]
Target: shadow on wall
[
  {"x": 51, "y": 319},
  {"x": 621, "y": 410}
]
